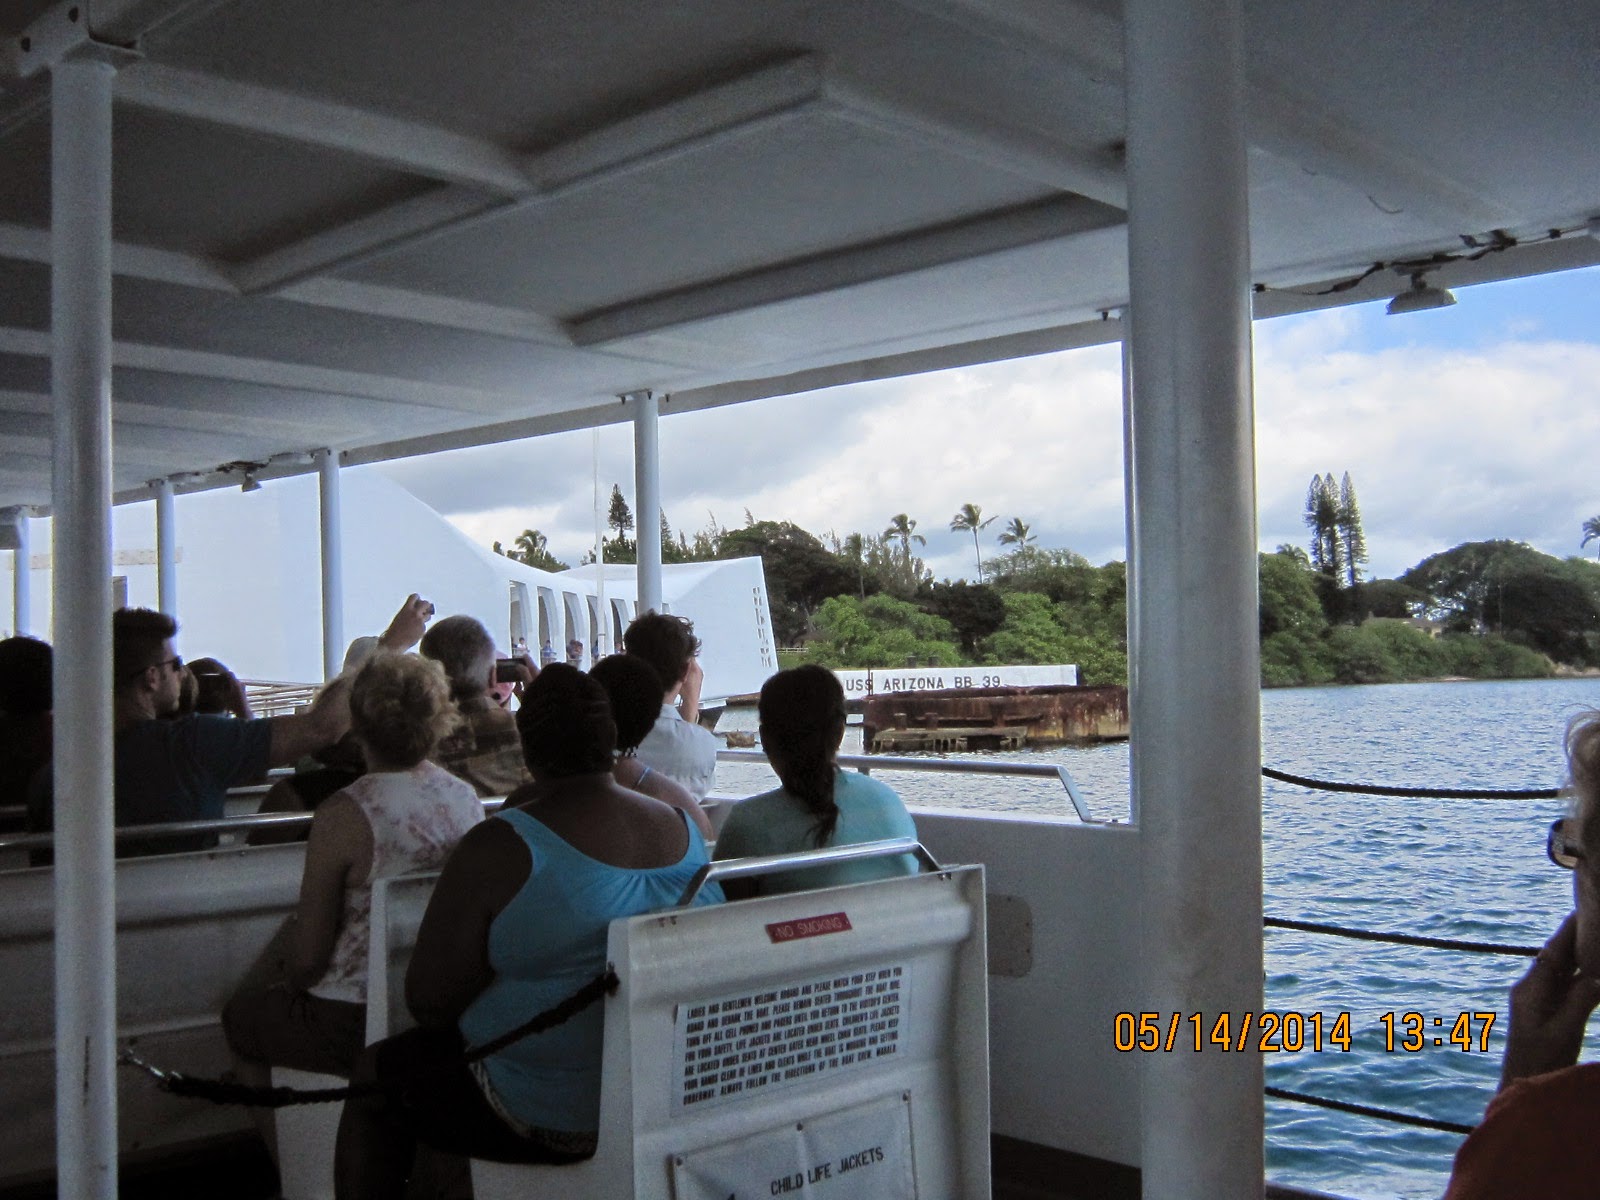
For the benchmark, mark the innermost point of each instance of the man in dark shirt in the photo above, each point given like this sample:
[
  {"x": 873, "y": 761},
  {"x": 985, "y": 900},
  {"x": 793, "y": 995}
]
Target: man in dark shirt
[{"x": 181, "y": 769}]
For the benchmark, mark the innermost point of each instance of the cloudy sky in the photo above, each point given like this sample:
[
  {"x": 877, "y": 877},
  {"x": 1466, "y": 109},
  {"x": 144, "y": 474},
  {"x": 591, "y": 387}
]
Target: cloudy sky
[{"x": 1469, "y": 422}]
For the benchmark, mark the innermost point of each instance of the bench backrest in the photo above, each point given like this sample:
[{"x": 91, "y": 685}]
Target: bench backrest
[
  {"x": 188, "y": 928},
  {"x": 837, "y": 1035},
  {"x": 397, "y": 907}
]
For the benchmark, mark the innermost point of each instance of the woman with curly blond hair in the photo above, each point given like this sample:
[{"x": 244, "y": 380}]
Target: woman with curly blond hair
[{"x": 307, "y": 1009}]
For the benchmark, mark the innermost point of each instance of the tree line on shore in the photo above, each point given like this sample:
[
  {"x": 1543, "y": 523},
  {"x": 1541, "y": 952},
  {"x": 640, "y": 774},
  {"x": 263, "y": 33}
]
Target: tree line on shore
[{"x": 1490, "y": 609}]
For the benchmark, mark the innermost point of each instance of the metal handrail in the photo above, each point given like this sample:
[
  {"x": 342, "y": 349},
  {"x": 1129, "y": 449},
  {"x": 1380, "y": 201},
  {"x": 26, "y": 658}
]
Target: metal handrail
[
  {"x": 866, "y": 763},
  {"x": 803, "y": 860},
  {"x": 125, "y": 833}
]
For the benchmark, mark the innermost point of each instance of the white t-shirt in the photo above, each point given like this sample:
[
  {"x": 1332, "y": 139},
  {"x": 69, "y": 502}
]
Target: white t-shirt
[{"x": 682, "y": 751}]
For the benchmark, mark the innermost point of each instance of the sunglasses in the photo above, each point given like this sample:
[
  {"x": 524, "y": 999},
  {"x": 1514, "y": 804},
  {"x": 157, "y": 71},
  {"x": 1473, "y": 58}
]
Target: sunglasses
[
  {"x": 175, "y": 662},
  {"x": 1564, "y": 852}
]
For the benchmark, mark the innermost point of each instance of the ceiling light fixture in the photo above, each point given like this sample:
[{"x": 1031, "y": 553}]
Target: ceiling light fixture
[{"x": 1420, "y": 297}]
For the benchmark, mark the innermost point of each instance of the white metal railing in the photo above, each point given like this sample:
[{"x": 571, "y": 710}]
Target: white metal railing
[
  {"x": 867, "y": 763},
  {"x": 268, "y": 699},
  {"x": 804, "y": 860}
]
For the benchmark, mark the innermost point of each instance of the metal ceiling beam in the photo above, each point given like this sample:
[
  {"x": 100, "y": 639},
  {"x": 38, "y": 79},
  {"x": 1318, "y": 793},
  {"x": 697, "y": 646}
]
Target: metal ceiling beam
[
  {"x": 26, "y": 244},
  {"x": 1279, "y": 120},
  {"x": 1046, "y": 220},
  {"x": 189, "y": 270},
  {"x": 184, "y": 417},
  {"x": 980, "y": 138},
  {"x": 134, "y": 442},
  {"x": 729, "y": 110},
  {"x": 445, "y": 312},
  {"x": 409, "y": 146},
  {"x": 272, "y": 373},
  {"x": 352, "y": 242}
]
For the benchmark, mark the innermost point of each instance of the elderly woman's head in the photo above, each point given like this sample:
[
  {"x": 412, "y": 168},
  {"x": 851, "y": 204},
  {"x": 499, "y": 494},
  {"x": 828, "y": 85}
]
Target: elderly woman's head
[
  {"x": 400, "y": 708},
  {"x": 566, "y": 726},
  {"x": 464, "y": 648}
]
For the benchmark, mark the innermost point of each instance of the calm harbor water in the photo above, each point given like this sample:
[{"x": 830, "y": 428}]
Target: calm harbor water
[{"x": 1472, "y": 870}]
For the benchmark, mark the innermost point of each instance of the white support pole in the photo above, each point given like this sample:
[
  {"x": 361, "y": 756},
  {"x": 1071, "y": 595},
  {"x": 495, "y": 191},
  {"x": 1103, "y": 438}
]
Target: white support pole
[
  {"x": 80, "y": 315},
  {"x": 647, "y": 487},
  {"x": 1196, "y": 701},
  {"x": 22, "y": 577},
  {"x": 332, "y": 531},
  {"x": 1130, "y": 565},
  {"x": 166, "y": 549},
  {"x": 601, "y": 647}
]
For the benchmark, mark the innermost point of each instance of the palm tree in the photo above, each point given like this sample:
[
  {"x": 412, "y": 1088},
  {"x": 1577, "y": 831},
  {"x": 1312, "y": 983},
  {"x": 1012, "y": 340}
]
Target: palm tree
[
  {"x": 1017, "y": 534},
  {"x": 531, "y": 545},
  {"x": 903, "y": 528},
  {"x": 1591, "y": 532},
  {"x": 971, "y": 517},
  {"x": 854, "y": 548}
]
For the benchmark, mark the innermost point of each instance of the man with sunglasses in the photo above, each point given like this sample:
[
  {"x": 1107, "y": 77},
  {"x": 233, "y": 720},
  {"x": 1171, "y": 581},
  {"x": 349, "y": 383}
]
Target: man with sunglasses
[
  {"x": 181, "y": 769},
  {"x": 1537, "y": 1138}
]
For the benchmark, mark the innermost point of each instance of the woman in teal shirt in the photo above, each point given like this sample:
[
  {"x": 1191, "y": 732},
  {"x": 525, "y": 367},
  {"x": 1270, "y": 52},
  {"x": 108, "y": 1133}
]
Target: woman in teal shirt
[
  {"x": 802, "y": 725},
  {"x": 518, "y": 922}
]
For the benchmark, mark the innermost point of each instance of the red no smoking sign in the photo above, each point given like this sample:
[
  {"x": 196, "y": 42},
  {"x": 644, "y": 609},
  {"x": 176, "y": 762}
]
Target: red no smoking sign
[{"x": 804, "y": 927}]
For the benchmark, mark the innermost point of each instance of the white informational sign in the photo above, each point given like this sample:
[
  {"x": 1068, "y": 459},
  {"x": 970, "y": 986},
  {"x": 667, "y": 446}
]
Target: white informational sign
[
  {"x": 860, "y": 1153},
  {"x": 790, "y": 1033},
  {"x": 858, "y": 685}
]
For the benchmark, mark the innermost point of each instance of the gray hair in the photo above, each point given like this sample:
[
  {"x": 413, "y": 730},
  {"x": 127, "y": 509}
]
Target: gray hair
[{"x": 463, "y": 647}]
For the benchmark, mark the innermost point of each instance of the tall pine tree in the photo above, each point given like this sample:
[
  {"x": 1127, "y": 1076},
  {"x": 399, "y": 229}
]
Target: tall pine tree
[
  {"x": 619, "y": 516},
  {"x": 1349, "y": 522},
  {"x": 1322, "y": 518}
]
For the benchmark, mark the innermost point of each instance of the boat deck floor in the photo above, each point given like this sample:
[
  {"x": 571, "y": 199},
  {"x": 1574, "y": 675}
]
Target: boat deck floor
[{"x": 239, "y": 1169}]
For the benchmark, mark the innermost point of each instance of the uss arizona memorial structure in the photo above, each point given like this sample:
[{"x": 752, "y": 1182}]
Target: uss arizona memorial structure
[{"x": 248, "y": 583}]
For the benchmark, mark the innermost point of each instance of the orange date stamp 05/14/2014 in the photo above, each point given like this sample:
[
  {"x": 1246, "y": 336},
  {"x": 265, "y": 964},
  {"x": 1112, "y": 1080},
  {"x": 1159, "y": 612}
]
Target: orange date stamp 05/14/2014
[{"x": 1297, "y": 1032}]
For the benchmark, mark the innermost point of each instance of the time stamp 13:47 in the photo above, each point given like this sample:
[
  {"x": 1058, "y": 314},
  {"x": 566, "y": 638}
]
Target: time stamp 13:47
[{"x": 1295, "y": 1032}]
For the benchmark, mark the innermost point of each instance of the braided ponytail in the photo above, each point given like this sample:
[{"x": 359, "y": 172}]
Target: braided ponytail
[{"x": 802, "y": 724}]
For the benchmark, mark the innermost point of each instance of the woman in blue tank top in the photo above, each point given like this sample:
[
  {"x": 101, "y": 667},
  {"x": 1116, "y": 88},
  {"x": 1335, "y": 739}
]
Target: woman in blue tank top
[{"x": 517, "y": 923}]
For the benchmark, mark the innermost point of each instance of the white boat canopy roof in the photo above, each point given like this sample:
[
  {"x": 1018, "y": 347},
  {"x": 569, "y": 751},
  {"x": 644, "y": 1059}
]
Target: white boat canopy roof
[{"x": 390, "y": 228}]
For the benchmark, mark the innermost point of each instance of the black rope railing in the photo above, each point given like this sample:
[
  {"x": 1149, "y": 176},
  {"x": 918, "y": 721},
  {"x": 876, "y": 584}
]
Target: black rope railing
[
  {"x": 1401, "y": 939},
  {"x": 1368, "y": 1110},
  {"x": 221, "y": 1091},
  {"x": 1398, "y": 939},
  {"x": 1378, "y": 789}
]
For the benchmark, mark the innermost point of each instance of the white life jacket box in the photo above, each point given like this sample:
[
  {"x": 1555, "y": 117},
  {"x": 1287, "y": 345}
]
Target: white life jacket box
[{"x": 830, "y": 1044}]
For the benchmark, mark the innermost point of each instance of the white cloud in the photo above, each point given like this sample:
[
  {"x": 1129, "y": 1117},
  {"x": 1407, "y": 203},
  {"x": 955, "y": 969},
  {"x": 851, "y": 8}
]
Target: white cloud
[{"x": 1443, "y": 446}]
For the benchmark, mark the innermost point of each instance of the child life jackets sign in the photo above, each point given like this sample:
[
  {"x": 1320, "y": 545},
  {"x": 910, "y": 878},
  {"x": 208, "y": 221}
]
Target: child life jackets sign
[{"x": 860, "y": 1153}]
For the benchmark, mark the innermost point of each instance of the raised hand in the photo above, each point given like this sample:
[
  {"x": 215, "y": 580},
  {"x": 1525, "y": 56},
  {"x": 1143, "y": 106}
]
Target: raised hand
[
  {"x": 408, "y": 626},
  {"x": 1550, "y": 1005}
]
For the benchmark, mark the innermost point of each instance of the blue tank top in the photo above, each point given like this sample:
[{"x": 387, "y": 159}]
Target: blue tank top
[{"x": 545, "y": 944}]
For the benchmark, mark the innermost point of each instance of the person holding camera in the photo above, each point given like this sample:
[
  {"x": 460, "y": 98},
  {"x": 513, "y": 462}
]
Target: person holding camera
[
  {"x": 485, "y": 749},
  {"x": 676, "y": 745}
]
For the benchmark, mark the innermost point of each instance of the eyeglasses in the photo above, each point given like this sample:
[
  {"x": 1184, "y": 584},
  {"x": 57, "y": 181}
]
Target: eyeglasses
[
  {"x": 175, "y": 662},
  {"x": 1563, "y": 852}
]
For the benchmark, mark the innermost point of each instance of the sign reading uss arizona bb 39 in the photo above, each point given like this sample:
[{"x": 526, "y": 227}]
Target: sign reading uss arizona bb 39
[{"x": 860, "y": 684}]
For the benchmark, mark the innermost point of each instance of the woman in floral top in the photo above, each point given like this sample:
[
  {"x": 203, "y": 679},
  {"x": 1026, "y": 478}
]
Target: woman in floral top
[{"x": 308, "y": 1008}]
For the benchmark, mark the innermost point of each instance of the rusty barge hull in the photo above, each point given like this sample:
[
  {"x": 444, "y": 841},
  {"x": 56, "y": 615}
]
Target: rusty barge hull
[{"x": 995, "y": 718}]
